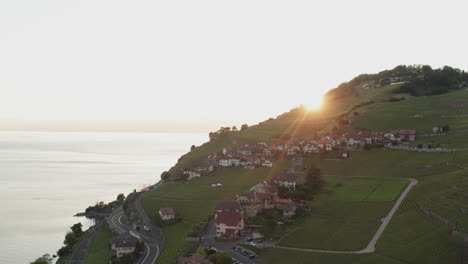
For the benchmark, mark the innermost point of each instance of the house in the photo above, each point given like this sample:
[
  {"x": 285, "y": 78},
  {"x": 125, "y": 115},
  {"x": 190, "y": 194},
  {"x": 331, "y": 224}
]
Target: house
[
  {"x": 252, "y": 208},
  {"x": 267, "y": 163},
  {"x": 192, "y": 174},
  {"x": 122, "y": 245},
  {"x": 310, "y": 149},
  {"x": 325, "y": 144},
  {"x": 287, "y": 206},
  {"x": 437, "y": 129},
  {"x": 252, "y": 203},
  {"x": 167, "y": 213},
  {"x": 406, "y": 134},
  {"x": 234, "y": 162},
  {"x": 228, "y": 206},
  {"x": 224, "y": 163},
  {"x": 266, "y": 187},
  {"x": 196, "y": 258},
  {"x": 229, "y": 224},
  {"x": 285, "y": 179}
]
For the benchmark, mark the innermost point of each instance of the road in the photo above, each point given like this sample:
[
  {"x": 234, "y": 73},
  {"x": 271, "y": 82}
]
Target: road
[
  {"x": 154, "y": 240},
  {"x": 385, "y": 221}
]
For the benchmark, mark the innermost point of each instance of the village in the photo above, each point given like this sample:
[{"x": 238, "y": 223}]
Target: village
[{"x": 251, "y": 156}]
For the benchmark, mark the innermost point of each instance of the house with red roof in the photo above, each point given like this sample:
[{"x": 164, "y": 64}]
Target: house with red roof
[
  {"x": 229, "y": 224},
  {"x": 167, "y": 213},
  {"x": 407, "y": 134},
  {"x": 325, "y": 144},
  {"x": 287, "y": 206}
]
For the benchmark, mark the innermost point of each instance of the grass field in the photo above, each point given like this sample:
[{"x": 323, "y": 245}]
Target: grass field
[
  {"x": 100, "y": 249},
  {"x": 410, "y": 238},
  {"x": 347, "y": 215}
]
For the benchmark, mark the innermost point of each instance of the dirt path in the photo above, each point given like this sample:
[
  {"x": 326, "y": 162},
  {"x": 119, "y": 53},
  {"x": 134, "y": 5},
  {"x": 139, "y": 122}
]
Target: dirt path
[{"x": 371, "y": 246}]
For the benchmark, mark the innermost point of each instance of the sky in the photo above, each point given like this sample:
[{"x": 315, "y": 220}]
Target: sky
[{"x": 205, "y": 64}]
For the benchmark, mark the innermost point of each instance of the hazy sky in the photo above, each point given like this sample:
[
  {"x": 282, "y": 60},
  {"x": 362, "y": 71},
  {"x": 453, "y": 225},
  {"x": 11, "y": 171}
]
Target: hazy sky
[{"x": 224, "y": 61}]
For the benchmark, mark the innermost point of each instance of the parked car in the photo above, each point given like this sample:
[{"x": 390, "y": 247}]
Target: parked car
[{"x": 147, "y": 229}]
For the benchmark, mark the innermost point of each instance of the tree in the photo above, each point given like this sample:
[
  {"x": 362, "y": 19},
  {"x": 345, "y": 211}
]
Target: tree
[
  {"x": 76, "y": 228},
  {"x": 244, "y": 127},
  {"x": 46, "y": 259},
  {"x": 192, "y": 147},
  {"x": 140, "y": 246},
  {"x": 446, "y": 128},
  {"x": 165, "y": 175},
  {"x": 63, "y": 251},
  {"x": 234, "y": 128},
  {"x": 314, "y": 181},
  {"x": 121, "y": 197},
  {"x": 70, "y": 239}
]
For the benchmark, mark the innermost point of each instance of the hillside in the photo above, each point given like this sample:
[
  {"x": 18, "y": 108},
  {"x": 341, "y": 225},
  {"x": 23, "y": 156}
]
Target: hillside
[{"x": 360, "y": 190}]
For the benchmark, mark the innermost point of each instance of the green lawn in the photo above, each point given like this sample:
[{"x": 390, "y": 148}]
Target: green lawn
[
  {"x": 367, "y": 189},
  {"x": 100, "y": 249}
]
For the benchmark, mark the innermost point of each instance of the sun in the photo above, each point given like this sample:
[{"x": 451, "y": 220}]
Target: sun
[{"x": 315, "y": 104}]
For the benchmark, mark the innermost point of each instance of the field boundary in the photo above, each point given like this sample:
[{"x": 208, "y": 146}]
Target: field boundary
[{"x": 371, "y": 246}]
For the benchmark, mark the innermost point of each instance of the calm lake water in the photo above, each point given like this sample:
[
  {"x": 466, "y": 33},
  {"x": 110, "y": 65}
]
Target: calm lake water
[{"x": 45, "y": 178}]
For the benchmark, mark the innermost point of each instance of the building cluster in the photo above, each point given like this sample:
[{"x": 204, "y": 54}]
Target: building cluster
[
  {"x": 230, "y": 216},
  {"x": 261, "y": 154}
]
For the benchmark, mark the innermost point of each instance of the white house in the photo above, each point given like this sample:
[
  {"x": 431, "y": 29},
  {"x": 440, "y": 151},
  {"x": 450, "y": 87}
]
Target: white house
[
  {"x": 192, "y": 174},
  {"x": 167, "y": 213},
  {"x": 267, "y": 163},
  {"x": 288, "y": 180},
  {"x": 224, "y": 163}
]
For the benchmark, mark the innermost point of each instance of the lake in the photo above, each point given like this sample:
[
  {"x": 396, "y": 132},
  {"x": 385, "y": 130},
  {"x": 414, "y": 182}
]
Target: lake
[{"x": 47, "y": 177}]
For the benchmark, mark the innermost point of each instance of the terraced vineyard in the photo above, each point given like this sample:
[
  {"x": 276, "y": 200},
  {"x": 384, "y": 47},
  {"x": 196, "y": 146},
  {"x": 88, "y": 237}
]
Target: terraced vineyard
[
  {"x": 174, "y": 243},
  {"x": 420, "y": 194},
  {"x": 99, "y": 251}
]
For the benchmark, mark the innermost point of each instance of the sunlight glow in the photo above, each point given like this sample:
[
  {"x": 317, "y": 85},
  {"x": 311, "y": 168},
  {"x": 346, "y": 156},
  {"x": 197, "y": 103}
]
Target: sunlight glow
[{"x": 315, "y": 104}]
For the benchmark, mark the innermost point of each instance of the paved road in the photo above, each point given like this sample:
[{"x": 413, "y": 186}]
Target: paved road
[
  {"x": 151, "y": 239},
  {"x": 371, "y": 246},
  {"x": 80, "y": 251},
  {"x": 154, "y": 239}
]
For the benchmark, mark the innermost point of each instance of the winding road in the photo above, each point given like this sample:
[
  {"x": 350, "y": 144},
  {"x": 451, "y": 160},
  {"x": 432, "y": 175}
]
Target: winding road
[
  {"x": 371, "y": 246},
  {"x": 153, "y": 240}
]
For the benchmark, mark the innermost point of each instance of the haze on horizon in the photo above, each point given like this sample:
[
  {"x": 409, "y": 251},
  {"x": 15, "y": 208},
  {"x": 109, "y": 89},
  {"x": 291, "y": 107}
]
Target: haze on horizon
[{"x": 204, "y": 64}]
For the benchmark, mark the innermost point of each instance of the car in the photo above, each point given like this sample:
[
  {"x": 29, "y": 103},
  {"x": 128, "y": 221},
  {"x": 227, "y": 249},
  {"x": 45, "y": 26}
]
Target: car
[
  {"x": 147, "y": 229},
  {"x": 252, "y": 256},
  {"x": 245, "y": 253},
  {"x": 253, "y": 244}
]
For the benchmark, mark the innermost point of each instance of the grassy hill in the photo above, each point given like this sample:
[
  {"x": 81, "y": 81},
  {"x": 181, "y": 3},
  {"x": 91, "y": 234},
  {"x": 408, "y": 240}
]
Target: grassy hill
[{"x": 360, "y": 190}]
